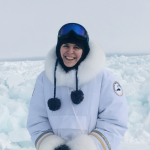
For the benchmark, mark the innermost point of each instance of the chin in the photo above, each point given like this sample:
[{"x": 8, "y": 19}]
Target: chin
[{"x": 69, "y": 65}]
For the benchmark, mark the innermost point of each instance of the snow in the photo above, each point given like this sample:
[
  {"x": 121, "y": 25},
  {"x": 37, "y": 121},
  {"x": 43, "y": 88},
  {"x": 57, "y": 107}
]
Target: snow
[
  {"x": 17, "y": 80},
  {"x": 19, "y": 135},
  {"x": 14, "y": 80},
  {"x": 129, "y": 146}
]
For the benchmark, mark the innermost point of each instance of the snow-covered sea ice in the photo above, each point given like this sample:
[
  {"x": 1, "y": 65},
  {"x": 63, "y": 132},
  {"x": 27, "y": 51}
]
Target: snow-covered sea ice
[{"x": 17, "y": 80}]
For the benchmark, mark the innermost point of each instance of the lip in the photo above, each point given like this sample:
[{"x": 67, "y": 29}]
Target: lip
[{"x": 69, "y": 59}]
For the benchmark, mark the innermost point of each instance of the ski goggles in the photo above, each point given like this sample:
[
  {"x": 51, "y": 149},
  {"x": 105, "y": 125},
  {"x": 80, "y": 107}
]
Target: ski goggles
[{"x": 77, "y": 28}]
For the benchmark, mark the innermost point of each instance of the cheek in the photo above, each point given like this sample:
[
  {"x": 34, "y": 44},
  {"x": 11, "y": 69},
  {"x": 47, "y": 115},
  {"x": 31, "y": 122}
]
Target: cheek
[
  {"x": 62, "y": 51},
  {"x": 79, "y": 54}
]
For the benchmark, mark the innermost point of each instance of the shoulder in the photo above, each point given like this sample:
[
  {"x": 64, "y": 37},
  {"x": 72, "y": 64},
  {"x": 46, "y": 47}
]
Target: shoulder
[
  {"x": 107, "y": 75},
  {"x": 41, "y": 77}
]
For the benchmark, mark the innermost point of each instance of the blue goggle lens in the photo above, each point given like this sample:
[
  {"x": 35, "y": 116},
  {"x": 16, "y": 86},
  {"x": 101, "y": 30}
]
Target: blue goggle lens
[{"x": 75, "y": 27}]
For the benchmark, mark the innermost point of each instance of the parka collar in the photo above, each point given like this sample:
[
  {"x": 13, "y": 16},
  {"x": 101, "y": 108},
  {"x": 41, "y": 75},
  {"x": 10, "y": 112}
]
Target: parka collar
[{"x": 87, "y": 70}]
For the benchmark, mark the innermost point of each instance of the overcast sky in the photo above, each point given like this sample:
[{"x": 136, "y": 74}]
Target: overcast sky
[{"x": 28, "y": 28}]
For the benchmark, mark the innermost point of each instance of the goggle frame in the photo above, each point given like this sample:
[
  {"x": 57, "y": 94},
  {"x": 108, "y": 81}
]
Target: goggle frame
[{"x": 77, "y": 28}]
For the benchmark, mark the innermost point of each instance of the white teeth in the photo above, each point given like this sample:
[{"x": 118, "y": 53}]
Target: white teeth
[{"x": 69, "y": 58}]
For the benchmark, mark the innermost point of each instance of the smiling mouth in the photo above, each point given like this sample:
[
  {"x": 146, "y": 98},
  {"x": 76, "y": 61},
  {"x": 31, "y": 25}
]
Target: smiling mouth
[{"x": 69, "y": 58}]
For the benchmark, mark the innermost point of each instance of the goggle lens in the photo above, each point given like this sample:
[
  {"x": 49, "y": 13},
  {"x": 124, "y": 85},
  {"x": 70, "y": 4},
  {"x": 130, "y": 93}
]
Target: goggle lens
[{"x": 75, "y": 27}]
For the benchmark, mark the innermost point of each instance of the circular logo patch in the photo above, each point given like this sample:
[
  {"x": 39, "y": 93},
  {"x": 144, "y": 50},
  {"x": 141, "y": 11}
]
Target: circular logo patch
[{"x": 117, "y": 88}]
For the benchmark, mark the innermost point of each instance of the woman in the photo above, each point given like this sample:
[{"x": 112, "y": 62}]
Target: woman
[{"x": 77, "y": 104}]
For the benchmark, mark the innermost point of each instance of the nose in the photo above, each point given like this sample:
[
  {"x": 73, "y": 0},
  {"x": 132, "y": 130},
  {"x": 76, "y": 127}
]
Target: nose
[{"x": 70, "y": 50}]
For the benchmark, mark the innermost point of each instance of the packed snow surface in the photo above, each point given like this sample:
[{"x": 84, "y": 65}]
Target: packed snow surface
[{"x": 17, "y": 80}]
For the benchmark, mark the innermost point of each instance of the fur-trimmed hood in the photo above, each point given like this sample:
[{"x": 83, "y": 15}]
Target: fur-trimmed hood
[{"x": 87, "y": 70}]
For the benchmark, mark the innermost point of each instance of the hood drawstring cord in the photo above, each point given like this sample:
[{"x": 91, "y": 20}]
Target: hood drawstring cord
[
  {"x": 77, "y": 96},
  {"x": 54, "y": 103}
]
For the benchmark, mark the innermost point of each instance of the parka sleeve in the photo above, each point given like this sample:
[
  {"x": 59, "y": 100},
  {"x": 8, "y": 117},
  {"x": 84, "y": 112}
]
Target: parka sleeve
[
  {"x": 112, "y": 116},
  {"x": 37, "y": 123}
]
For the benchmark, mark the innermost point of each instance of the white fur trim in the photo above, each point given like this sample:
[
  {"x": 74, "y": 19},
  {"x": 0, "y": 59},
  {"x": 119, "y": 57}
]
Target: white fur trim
[
  {"x": 87, "y": 70},
  {"x": 82, "y": 142},
  {"x": 51, "y": 142}
]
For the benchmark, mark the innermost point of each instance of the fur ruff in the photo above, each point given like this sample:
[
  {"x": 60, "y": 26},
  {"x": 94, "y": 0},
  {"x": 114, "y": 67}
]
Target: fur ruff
[
  {"x": 51, "y": 142},
  {"x": 82, "y": 142},
  {"x": 93, "y": 64}
]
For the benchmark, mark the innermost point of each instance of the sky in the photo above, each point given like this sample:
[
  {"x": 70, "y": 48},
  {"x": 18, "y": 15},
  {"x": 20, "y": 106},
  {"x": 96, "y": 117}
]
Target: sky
[{"x": 28, "y": 29}]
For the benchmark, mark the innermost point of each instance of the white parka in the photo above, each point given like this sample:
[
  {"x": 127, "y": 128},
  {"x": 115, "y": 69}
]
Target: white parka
[{"x": 97, "y": 123}]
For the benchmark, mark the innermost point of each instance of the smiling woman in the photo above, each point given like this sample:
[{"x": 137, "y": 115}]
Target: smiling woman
[
  {"x": 77, "y": 104},
  {"x": 70, "y": 53}
]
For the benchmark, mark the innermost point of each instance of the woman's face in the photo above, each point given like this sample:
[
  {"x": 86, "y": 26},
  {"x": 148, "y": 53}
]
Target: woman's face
[{"x": 70, "y": 54}]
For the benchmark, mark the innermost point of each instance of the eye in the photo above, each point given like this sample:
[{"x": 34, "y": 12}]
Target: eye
[{"x": 77, "y": 47}]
